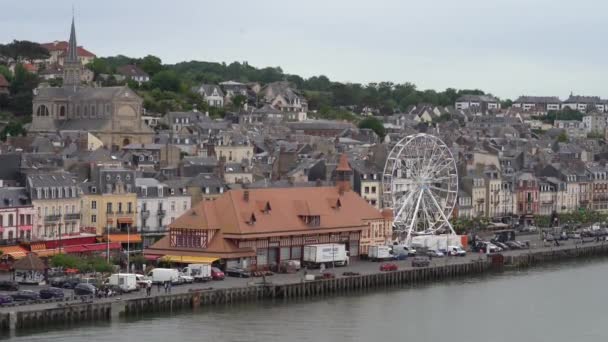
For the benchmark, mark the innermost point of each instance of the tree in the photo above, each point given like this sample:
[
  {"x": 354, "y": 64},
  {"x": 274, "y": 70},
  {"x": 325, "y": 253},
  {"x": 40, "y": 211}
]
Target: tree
[
  {"x": 151, "y": 64},
  {"x": 373, "y": 124},
  {"x": 238, "y": 101},
  {"x": 13, "y": 128},
  {"x": 166, "y": 80},
  {"x": 99, "y": 66},
  {"x": 562, "y": 137},
  {"x": 22, "y": 51}
]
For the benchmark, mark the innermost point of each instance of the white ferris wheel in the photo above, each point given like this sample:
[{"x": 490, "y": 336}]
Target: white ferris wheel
[{"x": 420, "y": 184}]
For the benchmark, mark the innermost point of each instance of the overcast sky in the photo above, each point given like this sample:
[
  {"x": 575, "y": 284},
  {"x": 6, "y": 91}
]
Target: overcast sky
[{"x": 506, "y": 47}]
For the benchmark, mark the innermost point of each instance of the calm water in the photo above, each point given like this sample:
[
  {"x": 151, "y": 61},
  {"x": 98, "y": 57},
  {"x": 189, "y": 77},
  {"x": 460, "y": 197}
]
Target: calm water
[{"x": 560, "y": 303}]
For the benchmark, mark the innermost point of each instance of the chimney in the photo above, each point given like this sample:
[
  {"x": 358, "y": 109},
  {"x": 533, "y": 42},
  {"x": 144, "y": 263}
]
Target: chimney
[{"x": 246, "y": 195}]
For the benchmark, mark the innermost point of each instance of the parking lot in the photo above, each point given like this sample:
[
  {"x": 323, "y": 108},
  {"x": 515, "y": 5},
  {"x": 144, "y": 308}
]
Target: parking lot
[{"x": 356, "y": 266}]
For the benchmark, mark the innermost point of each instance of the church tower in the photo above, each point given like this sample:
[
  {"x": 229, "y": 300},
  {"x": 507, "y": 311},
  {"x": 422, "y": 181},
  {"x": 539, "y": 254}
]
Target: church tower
[{"x": 72, "y": 68}]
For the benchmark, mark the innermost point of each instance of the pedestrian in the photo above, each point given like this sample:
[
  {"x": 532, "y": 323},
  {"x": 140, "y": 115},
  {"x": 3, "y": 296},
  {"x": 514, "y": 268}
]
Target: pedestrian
[
  {"x": 170, "y": 285},
  {"x": 322, "y": 268},
  {"x": 158, "y": 286},
  {"x": 149, "y": 289},
  {"x": 166, "y": 286}
]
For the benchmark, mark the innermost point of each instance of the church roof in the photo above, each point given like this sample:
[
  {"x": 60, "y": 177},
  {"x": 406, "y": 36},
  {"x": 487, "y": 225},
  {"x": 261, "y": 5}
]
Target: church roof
[{"x": 82, "y": 93}]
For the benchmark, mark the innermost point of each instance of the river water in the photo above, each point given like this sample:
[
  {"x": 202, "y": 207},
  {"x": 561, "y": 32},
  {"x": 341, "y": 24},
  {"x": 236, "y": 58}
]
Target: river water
[{"x": 559, "y": 303}]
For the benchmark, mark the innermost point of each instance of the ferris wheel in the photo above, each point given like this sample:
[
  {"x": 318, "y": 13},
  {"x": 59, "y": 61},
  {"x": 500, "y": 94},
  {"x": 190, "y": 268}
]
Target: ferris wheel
[{"x": 420, "y": 184}]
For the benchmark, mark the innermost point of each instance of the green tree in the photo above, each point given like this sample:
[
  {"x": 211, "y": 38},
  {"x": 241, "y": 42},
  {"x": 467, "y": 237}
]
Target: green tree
[
  {"x": 562, "y": 137},
  {"x": 166, "y": 80},
  {"x": 238, "y": 101},
  {"x": 99, "y": 66},
  {"x": 22, "y": 51},
  {"x": 13, "y": 128},
  {"x": 373, "y": 124},
  {"x": 151, "y": 64}
]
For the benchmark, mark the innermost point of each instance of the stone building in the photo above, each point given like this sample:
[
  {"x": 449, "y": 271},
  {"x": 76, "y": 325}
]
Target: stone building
[{"x": 113, "y": 114}]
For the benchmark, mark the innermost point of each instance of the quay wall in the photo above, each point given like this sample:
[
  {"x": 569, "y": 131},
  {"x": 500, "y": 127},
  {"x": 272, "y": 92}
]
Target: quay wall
[{"x": 67, "y": 314}]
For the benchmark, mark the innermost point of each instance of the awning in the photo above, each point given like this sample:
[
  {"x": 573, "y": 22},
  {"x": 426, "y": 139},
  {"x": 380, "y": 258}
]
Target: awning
[
  {"x": 15, "y": 252},
  {"x": 45, "y": 253},
  {"x": 185, "y": 259},
  {"x": 74, "y": 249},
  {"x": 125, "y": 220},
  {"x": 37, "y": 246},
  {"x": 152, "y": 257},
  {"x": 97, "y": 247},
  {"x": 125, "y": 238}
]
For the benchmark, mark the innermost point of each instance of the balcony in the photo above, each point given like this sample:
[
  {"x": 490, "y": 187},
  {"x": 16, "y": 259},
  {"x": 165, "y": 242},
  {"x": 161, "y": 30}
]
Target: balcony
[
  {"x": 72, "y": 216},
  {"x": 161, "y": 212},
  {"x": 52, "y": 218},
  {"x": 145, "y": 214}
]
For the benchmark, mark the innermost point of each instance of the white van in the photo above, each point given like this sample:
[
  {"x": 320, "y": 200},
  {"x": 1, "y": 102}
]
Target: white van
[
  {"x": 161, "y": 275},
  {"x": 456, "y": 251}
]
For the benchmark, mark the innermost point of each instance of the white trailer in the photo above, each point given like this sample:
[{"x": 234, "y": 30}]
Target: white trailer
[
  {"x": 200, "y": 272},
  {"x": 162, "y": 275},
  {"x": 328, "y": 254},
  {"x": 126, "y": 281},
  {"x": 379, "y": 253}
]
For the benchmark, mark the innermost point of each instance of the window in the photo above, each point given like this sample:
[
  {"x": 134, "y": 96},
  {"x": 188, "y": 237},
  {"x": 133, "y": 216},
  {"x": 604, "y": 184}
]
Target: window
[
  {"x": 93, "y": 204},
  {"x": 173, "y": 206},
  {"x": 120, "y": 207},
  {"x": 93, "y": 218},
  {"x": 109, "y": 208},
  {"x": 10, "y": 220},
  {"x": 373, "y": 189},
  {"x": 172, "y": 191},
  {"x": 185, "y": 205},
  {"x": 93, "y": 190},
  {"x": 129, "y": 207},
  {"x": 144, "y": 192},
  {"x": 367, "y": 189}
]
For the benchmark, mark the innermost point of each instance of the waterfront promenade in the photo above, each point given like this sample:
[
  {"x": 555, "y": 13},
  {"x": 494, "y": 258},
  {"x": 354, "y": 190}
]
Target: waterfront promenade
[{"x": 362, "y": 267}]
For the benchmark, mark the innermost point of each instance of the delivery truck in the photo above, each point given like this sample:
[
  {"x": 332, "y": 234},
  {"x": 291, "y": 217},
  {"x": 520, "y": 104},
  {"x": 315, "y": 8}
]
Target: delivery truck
[
  {"x": 200, "y": 272},
  {"x": 126, "y": 281},
  {"x": 379, "y": 253},
  {"x": 162, "y": 275},
  {"x": 328, "y": 254}
]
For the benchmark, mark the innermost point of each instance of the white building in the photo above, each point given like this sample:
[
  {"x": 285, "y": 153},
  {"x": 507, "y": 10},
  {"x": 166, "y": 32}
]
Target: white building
[
  {"x": 159, "y": 204},
  {"x": 477, "y": 103}
]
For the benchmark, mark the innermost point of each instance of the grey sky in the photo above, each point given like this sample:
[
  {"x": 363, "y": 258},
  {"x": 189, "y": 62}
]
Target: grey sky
[{"x": 507, "y": 47}]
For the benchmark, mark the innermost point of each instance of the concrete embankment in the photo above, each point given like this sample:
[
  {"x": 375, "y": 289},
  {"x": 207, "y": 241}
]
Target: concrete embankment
[{"x": 65, "y": 314}]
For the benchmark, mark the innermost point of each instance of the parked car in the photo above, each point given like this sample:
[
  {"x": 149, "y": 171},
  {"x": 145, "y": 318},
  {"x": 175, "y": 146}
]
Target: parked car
[
  {"x": 513, "y": 245},
  {"x": 8, "y": 286},
  {"x": 388, "y": 267},
  {"x": 456, "y": 251},
  {"x": 420, "y": 262},
  {"x": 237, "y": 272},
  {"x": 51, "y": 292},
  {"x": 69, "y": 283},
  {"x": 217, "y": 274},
  {"x": 25, "y": 295},
  {"x": 435, "y": 253},
  {"x": 142, "y": 281},
  {"x": 185, "y": 279},
  {"x": 84, "y": 289},
  {"x": 5, "y": 299}
]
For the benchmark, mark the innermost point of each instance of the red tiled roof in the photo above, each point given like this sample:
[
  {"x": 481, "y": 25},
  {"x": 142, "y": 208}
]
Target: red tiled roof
[
  {"x": 233, "y": 215},
  {"x": 343, "y": 164},
  {"x": 63, "y": 47}
]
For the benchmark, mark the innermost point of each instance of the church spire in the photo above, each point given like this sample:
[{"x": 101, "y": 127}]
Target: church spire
[{"x": 72, "y": 55}]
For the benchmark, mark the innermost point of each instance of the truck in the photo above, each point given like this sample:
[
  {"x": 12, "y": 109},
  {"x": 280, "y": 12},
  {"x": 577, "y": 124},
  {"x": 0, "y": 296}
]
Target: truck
[
  {"x": 379, "y": 253},
  {"x": 162, "y": 275},
  {"x": 200, "y": 272},
  {"x": 327, "y": 254},
  {"x": 126, "y": 281}
]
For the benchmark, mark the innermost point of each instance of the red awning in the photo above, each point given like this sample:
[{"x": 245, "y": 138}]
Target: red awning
[
  {"x": 74, "y": 249},
  {"x": 152, "y": 257},
  {"x": 125, "y": 220},
  {"x": 100, "y": 247}
]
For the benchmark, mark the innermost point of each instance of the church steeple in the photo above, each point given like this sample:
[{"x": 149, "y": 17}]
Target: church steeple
[
  {"x": 72, "y": 68},
  {"x": 72, "y": 55}
]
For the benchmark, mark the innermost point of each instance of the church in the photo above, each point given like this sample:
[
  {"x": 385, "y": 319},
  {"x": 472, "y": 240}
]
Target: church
[{"x": 112, "y": 114}]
